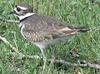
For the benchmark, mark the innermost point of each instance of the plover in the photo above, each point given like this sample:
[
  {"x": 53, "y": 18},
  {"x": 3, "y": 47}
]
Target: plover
[{"x": 42, "y": 30}]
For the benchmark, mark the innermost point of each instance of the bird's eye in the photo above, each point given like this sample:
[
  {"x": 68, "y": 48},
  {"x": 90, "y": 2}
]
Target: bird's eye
[{"x": 18, "y": 9}]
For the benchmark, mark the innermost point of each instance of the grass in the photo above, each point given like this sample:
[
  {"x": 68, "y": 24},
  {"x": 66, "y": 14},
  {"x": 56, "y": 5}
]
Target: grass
[{"x": 78, "y": 12}]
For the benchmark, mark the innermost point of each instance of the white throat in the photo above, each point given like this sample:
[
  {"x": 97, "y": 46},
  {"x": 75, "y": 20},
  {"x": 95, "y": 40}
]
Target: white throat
[{"x": 26, "y": 15}]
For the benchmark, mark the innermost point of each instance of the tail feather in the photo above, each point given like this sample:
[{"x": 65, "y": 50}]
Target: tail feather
[
  {"x": 80, "y": 29},
  {"x": 84, "y": 30},
  {"x": 70, "y": 30}
]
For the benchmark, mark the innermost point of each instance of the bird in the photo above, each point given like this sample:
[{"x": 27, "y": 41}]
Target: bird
[{"x": 42, "y": 30}]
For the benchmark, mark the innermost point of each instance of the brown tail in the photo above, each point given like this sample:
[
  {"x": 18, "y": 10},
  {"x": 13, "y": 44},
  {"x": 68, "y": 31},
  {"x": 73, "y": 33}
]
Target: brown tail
[
  {"x": 84, "y": 30},
  {"x": 81, "y": 29}
]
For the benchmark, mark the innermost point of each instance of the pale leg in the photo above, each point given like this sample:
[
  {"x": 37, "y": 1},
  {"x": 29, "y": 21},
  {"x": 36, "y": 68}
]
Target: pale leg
[
  {"x": 44, "y": 59},
  {"x": 42, "y": 46}
]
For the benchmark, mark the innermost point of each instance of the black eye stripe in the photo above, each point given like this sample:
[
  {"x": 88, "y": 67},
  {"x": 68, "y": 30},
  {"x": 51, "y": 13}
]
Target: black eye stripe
[{"x": 18, "y": 9}]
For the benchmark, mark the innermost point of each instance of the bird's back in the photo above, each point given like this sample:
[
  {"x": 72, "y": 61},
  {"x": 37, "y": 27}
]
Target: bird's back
[{"x": 44, "y": 28}]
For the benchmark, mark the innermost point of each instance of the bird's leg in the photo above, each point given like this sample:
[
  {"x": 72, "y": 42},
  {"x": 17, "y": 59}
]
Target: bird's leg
[
  {"x": 53, "y": 56},
  {"x": 44, "y": 59},
  {"x": 42, "y": 46},
  {"x": 43, "y": 54}
]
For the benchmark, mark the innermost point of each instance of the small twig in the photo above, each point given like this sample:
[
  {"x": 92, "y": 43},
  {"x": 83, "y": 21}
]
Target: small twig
[
  {"x": 16, "y": 50},
  {"x": 12, "y": 21},
  {"x": 91, "y": 65},
  {"x": 8, "y": 21},
  {"x": 94, "y": 29}
]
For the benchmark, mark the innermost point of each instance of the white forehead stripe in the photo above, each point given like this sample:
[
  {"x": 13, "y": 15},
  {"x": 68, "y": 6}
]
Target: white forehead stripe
[{"x": 23, "y": 8}]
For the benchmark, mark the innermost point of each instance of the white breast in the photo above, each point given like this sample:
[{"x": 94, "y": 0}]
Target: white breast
[{"x": 22, "y": 27}]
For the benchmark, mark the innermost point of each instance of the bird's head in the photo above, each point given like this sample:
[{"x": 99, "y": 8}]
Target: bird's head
[{"x": 22, "y": 10}]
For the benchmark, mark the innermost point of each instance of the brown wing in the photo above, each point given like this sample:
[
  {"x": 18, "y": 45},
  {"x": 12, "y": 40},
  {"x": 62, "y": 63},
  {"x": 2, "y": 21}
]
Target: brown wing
[
  {"x": 47, "y": 28},
  {"x": 59, "y": 29}
]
